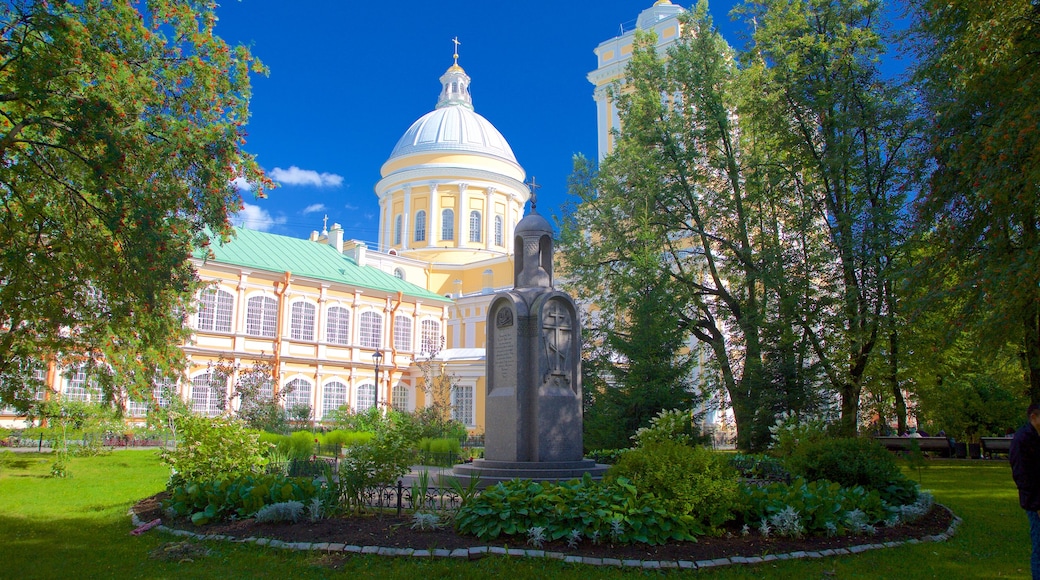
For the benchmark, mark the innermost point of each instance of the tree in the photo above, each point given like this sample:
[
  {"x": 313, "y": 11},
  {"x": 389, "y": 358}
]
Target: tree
[
  {"x": 259, "y": 406},
  {"x": 840, "y": 133},
  {"x": 677, "y": 197},
  {"x": 121, "y": 132},
  {"x": 979, "y": 75}
]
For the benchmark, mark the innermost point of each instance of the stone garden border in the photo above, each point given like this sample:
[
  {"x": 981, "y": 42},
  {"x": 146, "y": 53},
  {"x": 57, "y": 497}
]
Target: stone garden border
[{"x": 478, "y": 552}]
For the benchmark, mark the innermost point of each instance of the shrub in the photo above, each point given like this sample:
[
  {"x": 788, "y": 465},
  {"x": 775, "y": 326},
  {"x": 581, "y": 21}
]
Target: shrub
[
  {"x": 817, "y": 507},
  {"x": 345, "y": 438},
  {"x": 574, "y": 509},
  {"x": 669, "y": 425},
  {"x": 239, "y": 497},
  {"x": 605, "y": 456},
  {"x": 759, "y": 467},
  {"x": 286, "y": 511},
  {"x": 792, "y": 431},
  {"x": 217, "y": 448},
  {"x": 379, "y": 462},
  {"x": 690, "y": 481},
  {"x": 854, "y": 462}
]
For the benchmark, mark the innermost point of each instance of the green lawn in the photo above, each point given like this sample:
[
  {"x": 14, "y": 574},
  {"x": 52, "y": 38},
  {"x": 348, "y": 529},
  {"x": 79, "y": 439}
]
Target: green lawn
[{"x": 79, "y": 527}]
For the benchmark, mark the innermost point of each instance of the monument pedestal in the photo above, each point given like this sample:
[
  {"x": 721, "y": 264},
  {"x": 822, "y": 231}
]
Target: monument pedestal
[{"x": 488, "y": 472}]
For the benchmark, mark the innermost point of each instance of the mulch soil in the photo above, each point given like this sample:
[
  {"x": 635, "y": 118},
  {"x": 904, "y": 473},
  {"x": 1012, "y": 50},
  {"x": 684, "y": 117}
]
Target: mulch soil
[{"x": 391, "y": 531}]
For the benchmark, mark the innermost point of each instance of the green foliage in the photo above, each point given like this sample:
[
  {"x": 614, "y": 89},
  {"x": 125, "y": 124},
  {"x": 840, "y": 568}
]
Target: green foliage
[
  {"x": 759, "y": 467},
  {"x": 259, "y": 406},
  {"x": 381, "y": 461},
  {"x": 851, "y": 463},
  {"x": 792, "y": 431},
  {"x": 214, "y": 448},
  {"x": 669, "y": 425},
  {"x": 979, "y": 81},
  {"x": 64, "y": 418},
  {"x": 690, "y": 481},
  {"x": 122, "y": 122},
  {"x": 340, "y": 438},
  {"x": 600, "y": 511},
  {"x": 440, "y": 445},
  {"x": 605, "y": 456},
  {"x": 235, "y": 497},
  {"x": 822, "y": 507}
]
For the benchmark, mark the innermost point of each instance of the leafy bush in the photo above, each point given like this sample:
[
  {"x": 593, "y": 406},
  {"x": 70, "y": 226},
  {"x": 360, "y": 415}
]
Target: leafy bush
[
  {"x": 440, "y": 445},
  {"x": 691, "y": 481},
  {"x": 605, "y": 456},
  {"x": 792, "y": 431},
  {"x": 286, "y": 511},
  {"x": 669, "y": 425},
  {"x": 852, "y": 462},
  {"x": 759, "y": 467},
  {"x": 239, "y": 497},
  {"x": 343, "y": 438},
  {"x": 381, "y": 461},
  {"x": 217, "y": 448},
  {"x": 594, "y": 510},
  {"x": 816, "y": 508}
]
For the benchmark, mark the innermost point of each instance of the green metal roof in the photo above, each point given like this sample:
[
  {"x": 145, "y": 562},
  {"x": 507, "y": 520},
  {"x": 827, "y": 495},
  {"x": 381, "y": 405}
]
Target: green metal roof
[{"x": 317, "y": 260}]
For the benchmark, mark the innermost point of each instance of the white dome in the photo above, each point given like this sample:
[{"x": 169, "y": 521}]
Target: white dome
[{"x": 453, "y": 128}]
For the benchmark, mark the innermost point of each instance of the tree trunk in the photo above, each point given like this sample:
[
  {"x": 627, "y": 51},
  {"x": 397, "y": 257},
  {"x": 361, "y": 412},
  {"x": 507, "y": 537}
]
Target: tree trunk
[{"x": 1031, "y": 346}]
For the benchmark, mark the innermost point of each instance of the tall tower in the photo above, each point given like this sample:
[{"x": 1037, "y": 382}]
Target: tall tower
[{"x": 612, "y": 56}]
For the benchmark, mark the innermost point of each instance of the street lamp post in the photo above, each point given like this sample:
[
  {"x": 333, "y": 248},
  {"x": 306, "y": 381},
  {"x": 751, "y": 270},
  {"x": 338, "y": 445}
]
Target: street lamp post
[{"x": 377, "y": 357}]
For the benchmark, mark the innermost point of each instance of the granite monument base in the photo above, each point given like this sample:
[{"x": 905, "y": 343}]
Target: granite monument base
[{"x": 488, "y": 472}]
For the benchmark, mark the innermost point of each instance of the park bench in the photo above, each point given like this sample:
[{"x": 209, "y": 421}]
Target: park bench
[
  {"x": 991, "y": 445},
  {"x": 939, "y": 445}
]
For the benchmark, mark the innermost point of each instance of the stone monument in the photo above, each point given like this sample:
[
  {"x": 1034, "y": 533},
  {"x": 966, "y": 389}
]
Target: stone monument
[{"x": 533, "y": 409}]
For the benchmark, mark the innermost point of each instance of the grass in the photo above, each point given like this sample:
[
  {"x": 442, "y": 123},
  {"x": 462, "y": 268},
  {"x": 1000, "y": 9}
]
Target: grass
[{"x": 59, "y": 527}]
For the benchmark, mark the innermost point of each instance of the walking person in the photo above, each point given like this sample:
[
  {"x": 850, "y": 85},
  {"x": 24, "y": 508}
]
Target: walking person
[{"x": 1025, "y": 468}]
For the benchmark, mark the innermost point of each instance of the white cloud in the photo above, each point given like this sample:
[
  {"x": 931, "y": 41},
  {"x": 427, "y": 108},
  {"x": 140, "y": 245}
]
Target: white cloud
[
  {"x": 313, "y": 208},
  {"x": 242, "y": 184},
  {"x": 255, "y": 218},
  {"x": 351, "y": 207},
  {"x": 296, "y": 176}
]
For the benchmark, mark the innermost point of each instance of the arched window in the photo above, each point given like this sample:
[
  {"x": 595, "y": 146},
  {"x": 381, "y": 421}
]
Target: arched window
[
  {"x": 399, "y": 397},
  {"x": 337, "y": 327},
  {"x": 298, "y": 395},
  {"x": 206, "y": 395},
  {"x": 398, "y": 223},
  {"x": 462, "y": 404},
  {"x": 474, "y": 226},
  {"x": 371, "y": 330},
  {"x": 402, "y": 333},
  {"x": 334, "y": 396},
  {"x": 301, "y": 325},
  {"x": 261, "y": 316},
  {"x": 431, "y": 336},
  {"x": 498, "y": 230},
  {"x": 399, "y": 273},
  {"x": 448, "y": 225},
  {"x": 215, "y": 308},
  {"x": 79, "y": 387},
  {"x": 366, "y": 397},
  {"x": 420, "y": 225}
]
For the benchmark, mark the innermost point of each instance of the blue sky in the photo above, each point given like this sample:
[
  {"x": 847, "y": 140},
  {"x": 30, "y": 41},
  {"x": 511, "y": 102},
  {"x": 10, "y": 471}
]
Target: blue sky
[{"x": 347, "y": 78}]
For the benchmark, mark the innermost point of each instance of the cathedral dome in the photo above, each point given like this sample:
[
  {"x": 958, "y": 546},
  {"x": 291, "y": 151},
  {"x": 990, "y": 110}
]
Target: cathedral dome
[{"x": 453, "y": 128}]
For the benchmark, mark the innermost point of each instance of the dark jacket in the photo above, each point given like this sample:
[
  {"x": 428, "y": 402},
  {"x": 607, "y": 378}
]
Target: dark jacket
[{"x": 1025, "y": 466}]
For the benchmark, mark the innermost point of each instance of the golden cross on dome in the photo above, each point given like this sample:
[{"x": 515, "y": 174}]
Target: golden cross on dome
[{"x": 457, "y": 43}]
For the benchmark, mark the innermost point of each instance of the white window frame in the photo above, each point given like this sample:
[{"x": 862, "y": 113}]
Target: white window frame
[
  {"x": 403, "y": 333},
  {"x": 303, "y": 315},
  {"x": 300, "y": 393},
  {"x": 498, "y": 230},
  {"x": 475, "y": 221},
  {"x": 463, "y": 401},
  {"x": 262, "y": 316},
  {"x": 399, "y": 398},
  {"x": 448, "y": 225},
  {"x": 431, "y": 336},
  {"x": 420, "y": 225},
  {"x": 333, "y": 396},
  {"x": 366, "y": 397},
  {"x": 337, "y": 325},
  {"x": 216, "y": 308},
  {"x": 370, "y": 329},
  {"x": 204, "y": 396}
]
